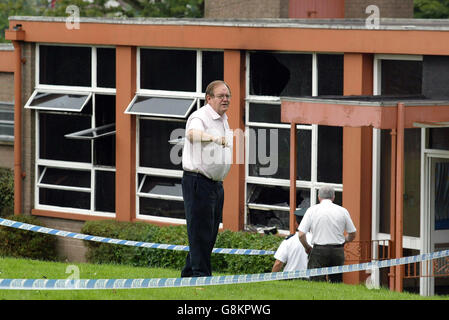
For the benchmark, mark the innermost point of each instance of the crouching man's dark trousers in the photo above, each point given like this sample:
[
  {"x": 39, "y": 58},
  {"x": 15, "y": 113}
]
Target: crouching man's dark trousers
[{"x": 203, "y": 205}]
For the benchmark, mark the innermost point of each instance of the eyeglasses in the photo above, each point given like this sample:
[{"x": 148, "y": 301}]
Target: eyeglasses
[{"x": 222, "y": 96}]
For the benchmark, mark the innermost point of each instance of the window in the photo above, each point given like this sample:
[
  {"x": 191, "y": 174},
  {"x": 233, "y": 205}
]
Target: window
[
  {"x": 171, "y": 86},
  {"x": 6, "y": 121},
  {"x": 398, "y": 75},
  {"x": 58, "y": 101},
  {"x": 164, "y": 107},
  {"x": 319, "y": 150},
  {"x": 75, "y": 136},
  {"x": 65, "y": 65}
]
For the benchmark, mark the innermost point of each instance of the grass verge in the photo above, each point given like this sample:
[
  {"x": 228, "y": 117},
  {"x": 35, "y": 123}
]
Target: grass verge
[{"x": 274, "y": 290}]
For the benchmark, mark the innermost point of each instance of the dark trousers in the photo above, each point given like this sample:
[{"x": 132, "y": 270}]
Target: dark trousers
[
  {"x": 327, "y": 256},
  {"x": 203, "y": 204}
]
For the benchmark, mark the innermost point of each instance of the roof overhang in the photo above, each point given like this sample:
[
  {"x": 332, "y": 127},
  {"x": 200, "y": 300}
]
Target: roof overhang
[{"x": 359, "y": 111}]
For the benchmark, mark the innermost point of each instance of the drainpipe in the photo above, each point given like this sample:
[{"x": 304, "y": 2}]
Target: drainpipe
[
  {"x": 399, "y": 193},
  {"x": 293, "y": 174},
  {"x": 392, "y": 206},
  {"x": 17, "y": 128}
]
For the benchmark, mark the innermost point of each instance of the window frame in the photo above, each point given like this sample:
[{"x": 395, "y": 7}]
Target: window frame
[
  {"x": 90, "y": 166},
  {"x": 198, "y": 96},
  {"x": 5, "y": 108},
  {"x": 409, "y": 242},
  {"x": 313, "y": 185}
]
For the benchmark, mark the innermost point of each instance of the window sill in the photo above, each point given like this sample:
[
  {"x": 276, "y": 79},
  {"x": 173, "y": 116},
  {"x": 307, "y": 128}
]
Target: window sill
[{"x": 70, "y": 216}]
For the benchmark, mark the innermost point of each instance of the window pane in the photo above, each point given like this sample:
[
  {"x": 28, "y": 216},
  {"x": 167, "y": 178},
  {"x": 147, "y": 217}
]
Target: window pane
[
  {"x": 330, "y": 154},
  {"x": 269, "y": 113},
  {"x": 52, "y": 143},
  {"x": 66, "y": 177},
  {"x": 439, "y": 138},
  {"x": 385, "y": 182},
  {"x": 338, "y": 198},
  {"x": 274, "y": 195},
  {"x": 57, "y": 101},
  {"x": 104, "y": 191},
  {"x": 269, "y": 218},
  {"x": 65, "y": 65},
  {"x": 401, "y": 77},
  {"x": 6, "y": 111},
  {"x": 154, "y": 148},
  {"x": 104, "y": 148},
  {"x": 166, "y": 107},
  {"x": 64, "y": 198},
  {"x": 212, "y": 68},
  {"x": 161, "y": 208},
  {"x": 173, "y": 70},
  {"x": 162, "y": 186},
  {"x": 280, "y": 74},
  {"x": 330, "y": 74},
  {"x": 273, "y": 161},
  {"x": 412, "y": 185},
  {"x": 6, "y": 131},
  {"x": 106, "y": 67}
]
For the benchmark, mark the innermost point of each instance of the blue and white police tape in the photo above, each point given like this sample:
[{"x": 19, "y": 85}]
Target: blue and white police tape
[
  {"x": 150, "y": 245},
  {"x": 97, "y": 284}
]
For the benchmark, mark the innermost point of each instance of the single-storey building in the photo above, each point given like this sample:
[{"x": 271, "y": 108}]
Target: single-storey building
[{"x": 318, "y": 102}]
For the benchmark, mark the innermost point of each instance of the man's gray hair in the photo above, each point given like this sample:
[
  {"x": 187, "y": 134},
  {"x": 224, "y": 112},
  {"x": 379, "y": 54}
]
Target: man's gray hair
[{"x": 326, "y": 192}]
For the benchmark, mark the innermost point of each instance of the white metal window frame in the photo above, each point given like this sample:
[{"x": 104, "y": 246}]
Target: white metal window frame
[
  {"x": 75, "y": 89},
  {"x": 69, "y": 164},
  {"x": 313, "y": 185},
  {"x": 5, "y": 108},
  {"x": 28, "y": 104},
  {"x": 408, "y": 241},
  {"x": 198, "y": 95},
  {"x": 165, "y": 115}
]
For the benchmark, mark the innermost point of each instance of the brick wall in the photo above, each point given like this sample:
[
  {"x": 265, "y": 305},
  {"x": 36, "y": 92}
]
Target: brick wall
[
  {"x": 227, "y": 9},
  {"x": 388, "y": 8},
  {"x": 7, "y": 86},
  {"x": 71, "y": 250}
]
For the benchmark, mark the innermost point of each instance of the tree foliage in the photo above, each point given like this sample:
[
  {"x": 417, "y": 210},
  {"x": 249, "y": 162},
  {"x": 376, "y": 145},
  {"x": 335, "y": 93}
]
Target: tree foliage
[
  {"x": 100, "y": 8},
  {"x": 431, "y": 9}
]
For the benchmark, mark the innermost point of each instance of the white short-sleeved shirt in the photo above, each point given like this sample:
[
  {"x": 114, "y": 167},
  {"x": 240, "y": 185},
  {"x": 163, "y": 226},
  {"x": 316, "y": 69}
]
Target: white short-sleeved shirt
[
  {"x": 208, "y": 158},
  {"x": 327, "y": 222},
  {"x": 292, "y": 252}
]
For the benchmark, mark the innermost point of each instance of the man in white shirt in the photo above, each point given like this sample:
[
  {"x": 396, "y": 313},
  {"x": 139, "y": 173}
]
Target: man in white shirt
[
  {"x": 206, "y": 162},
  {"x": 291, "y": 252},
  {"x": 327, "y": 222}
]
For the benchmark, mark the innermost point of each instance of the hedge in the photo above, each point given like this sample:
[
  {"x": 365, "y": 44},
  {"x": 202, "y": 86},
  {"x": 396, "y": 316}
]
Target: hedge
[
  {"x": 6, "y": 192},
  {"x": 138, "y": 231},
  {"x": 26, "y": 244}
]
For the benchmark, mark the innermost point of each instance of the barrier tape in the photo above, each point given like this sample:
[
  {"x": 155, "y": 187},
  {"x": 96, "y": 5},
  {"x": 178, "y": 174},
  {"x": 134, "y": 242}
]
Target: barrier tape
[
  {"x": 98, "y": 284},
  {"x": 150, "y": 245}
]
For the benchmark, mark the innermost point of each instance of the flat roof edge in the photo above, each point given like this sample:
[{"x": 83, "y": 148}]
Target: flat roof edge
[
  {"x": 348, "y": 100},
  {"x": 343, "y": 24}
]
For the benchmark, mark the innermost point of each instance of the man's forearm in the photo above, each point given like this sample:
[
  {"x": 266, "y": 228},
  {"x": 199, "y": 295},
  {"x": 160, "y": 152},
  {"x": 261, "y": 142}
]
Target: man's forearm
[
  {"x": 303, "y": 240},
  {"x": 195, "y": 135}
]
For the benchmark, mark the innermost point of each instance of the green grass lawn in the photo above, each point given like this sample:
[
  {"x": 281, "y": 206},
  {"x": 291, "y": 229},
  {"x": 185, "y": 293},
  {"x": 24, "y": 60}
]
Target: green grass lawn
[{"x": 273, "y": 290}]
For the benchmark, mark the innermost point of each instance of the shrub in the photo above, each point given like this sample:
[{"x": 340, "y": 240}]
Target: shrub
[
  {"x": 138, "y": 231},
  {"x": 27, "y": 244},
  {"x": 6, "y": 192}
]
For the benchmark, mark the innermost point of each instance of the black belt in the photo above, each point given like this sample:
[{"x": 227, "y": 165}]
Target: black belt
[
  {"x": 198, "y": 174},
  {"x": 329, "y": 245}
]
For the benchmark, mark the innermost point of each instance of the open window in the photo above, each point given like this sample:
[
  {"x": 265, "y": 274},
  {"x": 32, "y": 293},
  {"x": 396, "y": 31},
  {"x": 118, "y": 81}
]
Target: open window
[
  {"x": 161, "y": 107},
  {"x": 54, "y": 101}
]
